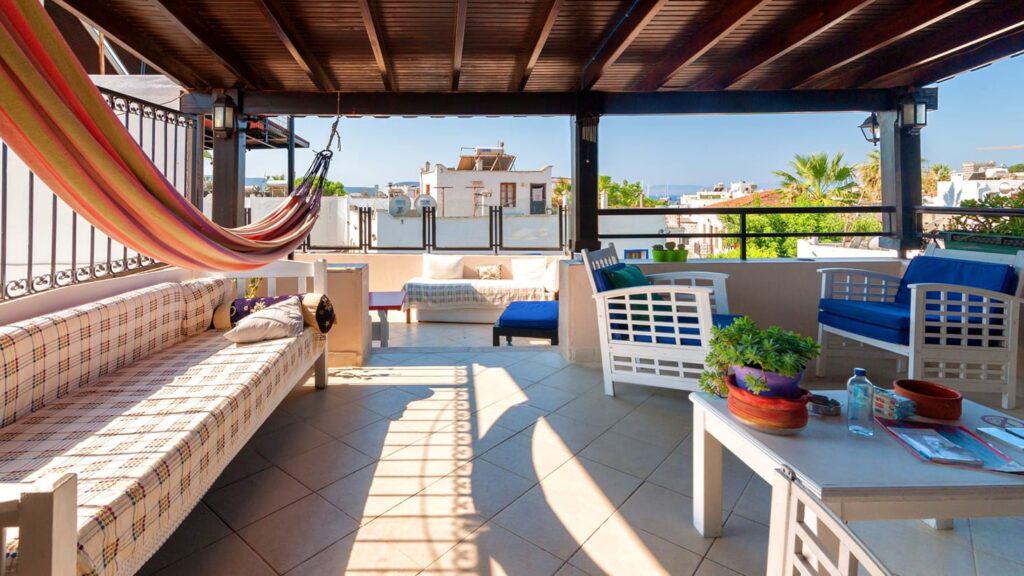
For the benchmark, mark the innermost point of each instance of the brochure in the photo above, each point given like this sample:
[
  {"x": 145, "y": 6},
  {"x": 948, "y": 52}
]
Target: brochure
[
  {"x": 935, "y": 447},
  {"x": 949, "y": 445}
]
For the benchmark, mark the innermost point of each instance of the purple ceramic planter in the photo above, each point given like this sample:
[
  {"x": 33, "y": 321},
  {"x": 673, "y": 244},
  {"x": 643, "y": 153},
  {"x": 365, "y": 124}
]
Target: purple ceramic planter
[{"x": 779, "y": 386}]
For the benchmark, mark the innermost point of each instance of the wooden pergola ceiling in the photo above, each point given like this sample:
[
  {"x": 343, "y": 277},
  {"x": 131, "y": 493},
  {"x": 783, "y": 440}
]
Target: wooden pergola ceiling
[{"x": 496, "y": 46}]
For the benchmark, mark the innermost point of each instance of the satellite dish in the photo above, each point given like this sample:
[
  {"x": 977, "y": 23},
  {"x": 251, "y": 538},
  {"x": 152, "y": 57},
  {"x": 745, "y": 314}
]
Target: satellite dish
[
  {"x": 399, "y": 205},
  {"x": 1005, "y": 187},
  {"x": 424, "y": 201}
]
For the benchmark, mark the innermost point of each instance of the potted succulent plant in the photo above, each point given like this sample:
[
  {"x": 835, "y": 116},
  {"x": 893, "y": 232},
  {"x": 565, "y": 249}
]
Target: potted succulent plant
[
  {"x": 681, "y": 254},
  {"x": 768, "y": 362},
  {"x": 671, "y": 254},
  {"x": 659, "y": 253}
]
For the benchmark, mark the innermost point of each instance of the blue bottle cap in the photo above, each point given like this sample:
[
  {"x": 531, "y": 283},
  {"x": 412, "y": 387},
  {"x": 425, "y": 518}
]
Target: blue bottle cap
[{"x": 860, "y": 372}]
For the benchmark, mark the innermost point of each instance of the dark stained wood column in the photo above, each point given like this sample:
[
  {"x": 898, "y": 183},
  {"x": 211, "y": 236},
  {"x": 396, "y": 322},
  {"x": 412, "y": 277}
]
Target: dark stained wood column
[
  {"x": 584, "y": 182},
  {"x": 229, "y": 176},
  {"x": 900, "y": 152}
]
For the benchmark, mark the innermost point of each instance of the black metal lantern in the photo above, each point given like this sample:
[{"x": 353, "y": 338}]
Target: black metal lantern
[
  {"x": 870, "y": 129},
  {"x": 224, "y": 117},
  {"x": 913, "y": 112}
]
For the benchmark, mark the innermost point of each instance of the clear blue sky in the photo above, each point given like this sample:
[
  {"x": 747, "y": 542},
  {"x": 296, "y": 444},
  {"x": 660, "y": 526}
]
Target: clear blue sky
[{"x": 977, "y": 109}]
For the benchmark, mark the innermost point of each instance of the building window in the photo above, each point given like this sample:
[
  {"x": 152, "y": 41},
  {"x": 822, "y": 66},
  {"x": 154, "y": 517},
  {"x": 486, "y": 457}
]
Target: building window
[{"x": 508, "y": 194}]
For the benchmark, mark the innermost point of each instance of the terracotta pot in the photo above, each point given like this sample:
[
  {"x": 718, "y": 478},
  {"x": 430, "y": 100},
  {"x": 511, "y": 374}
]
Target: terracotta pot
[
  {"x": 772, "y": 415},
  {"x": 931, "y": 400},
  {"x": 779, "y": 386}
]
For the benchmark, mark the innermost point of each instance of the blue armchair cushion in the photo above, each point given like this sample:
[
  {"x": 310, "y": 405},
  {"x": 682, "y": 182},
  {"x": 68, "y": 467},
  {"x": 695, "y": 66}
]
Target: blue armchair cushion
[
  {"x": 984, "y": 275},
  {"x": 601, "y": 280},
  {"x": 530, "y": 315},
  {"x": 886, "y": 314}
]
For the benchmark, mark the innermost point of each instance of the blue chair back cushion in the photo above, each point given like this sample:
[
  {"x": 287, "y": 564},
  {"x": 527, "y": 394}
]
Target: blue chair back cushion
[
  {"x": 530, "y": 315},
  {"x": 601, "y": 280},
  {"x": 984, "y": 275}
]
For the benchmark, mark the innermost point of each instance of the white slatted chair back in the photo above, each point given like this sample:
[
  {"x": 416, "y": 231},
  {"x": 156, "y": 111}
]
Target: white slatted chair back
[
  {"x": 1015, "y": 260},
  {"x": 598, "y": 259},
  {"x": 713, "y": 280},
  {"x": 815, "y": 540},
  {"x": 282, "y": 269}
]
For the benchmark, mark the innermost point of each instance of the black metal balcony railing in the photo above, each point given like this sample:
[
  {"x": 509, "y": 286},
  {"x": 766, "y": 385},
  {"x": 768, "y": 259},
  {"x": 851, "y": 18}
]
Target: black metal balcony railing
[{"x": 44, "y": 244}]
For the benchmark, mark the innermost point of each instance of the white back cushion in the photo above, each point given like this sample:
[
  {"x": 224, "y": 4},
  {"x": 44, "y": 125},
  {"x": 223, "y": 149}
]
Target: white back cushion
[
  {"x": 441, "y": 267},
  {"x": 529, "y": 269}
]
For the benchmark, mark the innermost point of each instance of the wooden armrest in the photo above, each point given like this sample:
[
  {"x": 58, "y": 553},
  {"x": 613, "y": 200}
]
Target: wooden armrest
[{"x": 654, "y": 289}]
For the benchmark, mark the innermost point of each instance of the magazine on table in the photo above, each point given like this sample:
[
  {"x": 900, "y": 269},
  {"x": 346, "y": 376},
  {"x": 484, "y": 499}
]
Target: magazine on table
[{"x": 950, "y": 445}]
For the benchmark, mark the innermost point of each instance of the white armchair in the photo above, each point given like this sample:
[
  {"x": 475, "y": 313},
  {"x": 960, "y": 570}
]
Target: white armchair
[
  {"x": 656, "y": 335},
  {"x": 964, "y": 335}
]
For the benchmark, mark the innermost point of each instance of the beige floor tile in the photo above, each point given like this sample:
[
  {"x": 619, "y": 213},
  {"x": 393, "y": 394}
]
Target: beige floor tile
[
  {"x": 246, "y": 463},
  {"x": 493, "y": 385},
  {"x": 756, "y": 502},
  {"x": 511, "y": 415},
  {"x": 934, "y": 551},
  {"x": 559, "y": 430},
  {"x": 618, "y": 548},
  {"x": 450, "y": 447},
  {"x": 529, "y": 458},
  {"x": 423, "y": 539},
  {"x": 486, "y": 487},
  {"x": 596, "y": 409},
  {"x": 289, "y": 441},
  {"x": 370, "y": 492},
  {"x": 626, "y": 454},
  {"x": 999, "y": 536},
  {"x": 389, "y": 402},
  {"x": 494, "y": 551},
  {"x": 325, "y": 464},
  {"x": 252, "y": 498},
  {"x": 344, "y": 420},
  {"x": 570, "y": 570},
  {"x": 709, "y": 568},
  {"x": 532, "y": 371},
  {"x": 386, "y": 436},
  {"x": 575, "y": 379},
  {"x": 743, "y": 546},
  {"x": 665, "y": 430},
  {"x": 227, "y": 557},
  {"x": 315, "y": 402},
  {"x": 551, "y": 358},
  {"x": 547, "y": 398},
  {"x": 200, "y": 529},
  {"x": 676, "y": 474},
  {"x": 356, "y": 556},
  {"x": 278, "y": 419},
  {"x": 991, "y": 565},
  {"x": 665, "y": 514},
  {"x": 298, "y": 531}
]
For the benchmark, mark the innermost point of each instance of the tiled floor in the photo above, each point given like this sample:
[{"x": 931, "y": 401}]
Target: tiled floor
[
  {"x": 443, "y": 334},
  {"x": 510, "y": 462}
]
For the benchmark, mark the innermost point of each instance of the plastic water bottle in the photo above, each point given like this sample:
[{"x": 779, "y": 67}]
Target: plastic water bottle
[{"x": 860, "y": 406}]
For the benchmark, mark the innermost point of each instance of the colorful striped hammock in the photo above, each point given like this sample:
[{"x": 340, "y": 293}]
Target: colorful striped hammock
[{"x": 53, "y": 117}]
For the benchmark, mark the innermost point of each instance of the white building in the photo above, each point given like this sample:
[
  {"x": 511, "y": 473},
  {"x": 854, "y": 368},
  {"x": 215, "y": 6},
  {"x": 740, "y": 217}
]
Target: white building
[
  {"x": 484, "y": 177},
  {"x": 975, "y": 181}
]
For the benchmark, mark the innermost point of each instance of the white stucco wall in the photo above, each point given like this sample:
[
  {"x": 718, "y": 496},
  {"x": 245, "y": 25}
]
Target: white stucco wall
[{"x": 457, "y": 200}]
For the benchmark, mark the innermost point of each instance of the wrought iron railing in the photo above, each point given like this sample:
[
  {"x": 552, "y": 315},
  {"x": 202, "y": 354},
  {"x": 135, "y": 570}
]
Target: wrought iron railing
[
  {"x": 742, "y": 234},
  {"x": 44, "y": 244}
]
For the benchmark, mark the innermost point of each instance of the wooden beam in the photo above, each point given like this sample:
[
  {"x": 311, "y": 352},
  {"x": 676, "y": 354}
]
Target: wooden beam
[
  {"x": 291, "y": 37},
  {"x": 883, "y": 33},
  {"x": 810, "y": 24},
  {"x": 101, "y": 15},
  {"x": 267, "y": 103},
  {"x": 975, "y": 57},
  {"x": 459, "y": 41},
  {"x": 689, "y": 47},
  {"x": 1007, "y": 19},
  {"x": 370, "y": 22},
  {"x": 542, "y": 30},
  {"x": 197, "y": 31},
  {"x": 632, "y": 23}
]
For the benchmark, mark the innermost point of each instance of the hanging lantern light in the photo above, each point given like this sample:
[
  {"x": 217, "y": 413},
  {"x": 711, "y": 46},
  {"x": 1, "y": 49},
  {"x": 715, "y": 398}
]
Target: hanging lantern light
[
  {"x": 913, "y": 112},
  {"x": 224, "y": 117},
  {"x": 870, "y": 129}
]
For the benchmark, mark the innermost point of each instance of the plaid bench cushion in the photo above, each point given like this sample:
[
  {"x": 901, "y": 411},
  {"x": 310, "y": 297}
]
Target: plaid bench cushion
[{"x": 148, "y": 440}]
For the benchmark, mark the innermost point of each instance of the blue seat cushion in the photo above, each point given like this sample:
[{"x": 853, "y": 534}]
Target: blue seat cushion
[
  {"x": 530, "y": 315},
  {"x": 984, "y": 275},
  {"x": 878, "y": 332},
  {"x": 885, "y": 314},
  {"x": 601, "y": 280}
]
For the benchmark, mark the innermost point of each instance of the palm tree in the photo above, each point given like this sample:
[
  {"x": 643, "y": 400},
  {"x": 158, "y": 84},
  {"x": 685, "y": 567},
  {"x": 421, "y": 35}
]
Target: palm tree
[
  {"x": 818, "y": 178},
  {"x": 869, "y": 175},
  {"x": 931, "y": 176}
]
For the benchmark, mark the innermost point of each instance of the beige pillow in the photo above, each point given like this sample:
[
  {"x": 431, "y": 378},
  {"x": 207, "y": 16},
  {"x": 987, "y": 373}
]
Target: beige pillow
[
  {"x": 489, "y": 272},
  {"x": 529, "y": 269},
  {"x": 441, "y": 267},
  {"x": 282, "y": 320}
]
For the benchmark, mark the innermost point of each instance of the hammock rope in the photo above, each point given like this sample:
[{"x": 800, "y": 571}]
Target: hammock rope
[{"x": 54, "y": 118}]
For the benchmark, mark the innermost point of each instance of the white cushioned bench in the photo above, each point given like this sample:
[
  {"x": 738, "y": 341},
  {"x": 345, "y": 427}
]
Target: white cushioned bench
[{"x": 144, "y": 405}]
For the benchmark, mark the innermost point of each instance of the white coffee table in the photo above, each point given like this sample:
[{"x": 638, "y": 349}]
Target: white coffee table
[{"x": 858, "y": 478}]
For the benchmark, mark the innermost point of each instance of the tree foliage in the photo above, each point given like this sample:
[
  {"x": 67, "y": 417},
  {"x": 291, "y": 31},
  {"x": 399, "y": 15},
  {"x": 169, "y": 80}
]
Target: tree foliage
[
  {"x": 562, "y": 192},
  {"x": 931, "y": 176},
  {"x": 331, "y": 187},
  {"x": 1016, "y": 167},
  {"x": 626, "y": 194},
  {"x": 818, "y": 178}
]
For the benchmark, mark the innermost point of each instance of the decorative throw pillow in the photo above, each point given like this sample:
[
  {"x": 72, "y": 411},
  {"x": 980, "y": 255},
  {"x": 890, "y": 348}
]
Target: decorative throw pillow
[
  {"x": 441, "y": 267},
  {"x": 529, "y": 269},
  {"x": 281, "y": 320},
  {"x": 489, "y": 272},
  {"x": 317, "y": 310},
  {"x": 551, "y": 277},
  {"x": 628, "y": 276}
]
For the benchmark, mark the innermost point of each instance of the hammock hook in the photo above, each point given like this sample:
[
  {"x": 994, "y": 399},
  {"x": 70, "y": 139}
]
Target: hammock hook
[{"x": 334, "y": 125}]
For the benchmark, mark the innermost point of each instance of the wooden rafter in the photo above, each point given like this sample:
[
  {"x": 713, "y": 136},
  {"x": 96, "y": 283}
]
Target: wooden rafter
[
  {"x": 689, "y": 47},
  {"x": 291, "y": 37},
  {"x": 545, "y": 22},
  {"x": 976, "y": 57},
  {"x": 872, "y": 39},
  {"x": 459, "y": 41},
  {"x": 632, "y": 23},
  {"x": 100, "y": 15},
  {"x": 195, "y": 29},
  {"x": 935, "y": 46},
  {"x": 370, "y": 22},
  {"x": 810, "y": 24}
]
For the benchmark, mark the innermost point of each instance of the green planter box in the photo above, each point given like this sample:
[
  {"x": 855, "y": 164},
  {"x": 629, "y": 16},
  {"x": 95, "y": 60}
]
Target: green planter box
[{"x": 960, "y": 240}]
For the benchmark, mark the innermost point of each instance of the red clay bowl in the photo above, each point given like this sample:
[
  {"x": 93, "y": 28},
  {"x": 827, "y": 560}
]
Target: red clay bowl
[
  {"x": 772, "y": 415},
  {"x": 932, "y": 400}
]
